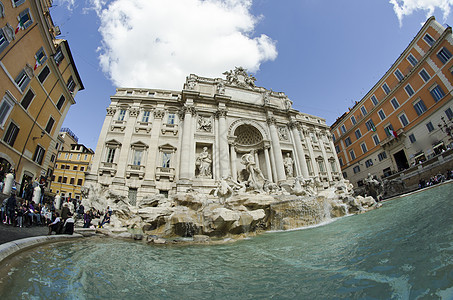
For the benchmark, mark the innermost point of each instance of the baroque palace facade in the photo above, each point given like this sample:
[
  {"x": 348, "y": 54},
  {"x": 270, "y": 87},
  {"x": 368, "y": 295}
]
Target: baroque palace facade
[
  {"x": 159, "y": 141},
  {"x": 395, "y": 126},
  {"x": 38, "y": 82}
]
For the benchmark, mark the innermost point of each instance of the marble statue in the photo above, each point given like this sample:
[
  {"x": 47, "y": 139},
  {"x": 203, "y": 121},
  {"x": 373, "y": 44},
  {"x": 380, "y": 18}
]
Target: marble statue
[
  {"x": 248, "y": 161},
  {"x": 203, "y": 163},
  {"x": 288, "y": 162}
]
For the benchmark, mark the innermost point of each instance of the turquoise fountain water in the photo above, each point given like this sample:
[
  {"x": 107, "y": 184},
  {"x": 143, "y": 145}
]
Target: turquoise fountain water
[{"x": 403, "y": 250}]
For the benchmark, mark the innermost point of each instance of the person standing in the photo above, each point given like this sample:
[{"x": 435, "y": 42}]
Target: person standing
[{"x": 11, "y": 208}]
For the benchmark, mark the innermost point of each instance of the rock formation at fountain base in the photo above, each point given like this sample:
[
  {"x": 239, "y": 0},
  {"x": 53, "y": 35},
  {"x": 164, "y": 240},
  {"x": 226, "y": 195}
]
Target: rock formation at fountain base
[{"x": 204, "y": 216}]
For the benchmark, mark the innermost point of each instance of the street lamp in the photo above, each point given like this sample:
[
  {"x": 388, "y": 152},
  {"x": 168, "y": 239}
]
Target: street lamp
[{"x": 446, "y": 127}]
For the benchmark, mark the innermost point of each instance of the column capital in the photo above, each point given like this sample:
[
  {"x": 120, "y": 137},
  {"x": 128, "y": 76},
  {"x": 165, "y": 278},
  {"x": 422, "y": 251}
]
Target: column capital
[
  {"x": 271, "y": 120},
  {"x": 294, "y": 125},
  {"x": 221, "y": 113},
  {"x": 159, "y": 113},
  {"x": 111, "y": 111},
  {"x": 133, "y": 112}
]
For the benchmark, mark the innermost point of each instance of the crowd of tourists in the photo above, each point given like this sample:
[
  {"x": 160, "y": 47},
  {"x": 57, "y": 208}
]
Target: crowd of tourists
[{"x": 439, "y": 178}]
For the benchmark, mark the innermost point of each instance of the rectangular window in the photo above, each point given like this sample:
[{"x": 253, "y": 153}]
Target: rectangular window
[
  {"x": 6, "y": 107},
  {"x": 49, "y": 125},
  {"x": 11, "y": 134},
  {"x": 333, "y": 137},
  {"x": 61, "y": 102},
  {"x": 381, "y": 114},
  {"x": 337, "y": 149},
  {"x": 403, "y": 120},
  {"x": 368, "y": 163},
  {"x": 409, "y": 90},
  {"x": 358, "y": 134},
  {"x": 356, "y": 169},
  {"x": 22, "y": 80},
  {"x": 121, "y": 115},
  {"x": 171, "y": 119},
  {"x": 345, "y": 175},
  {"x": 370, "y": 125},
  {"x": 386, "y": 88},
  {"x": 79, "y": 181},
  {"x": 429, "y": 126},
  {"x": 352, "y": 154},
  {"x": 44, "y": 73},
  {"x": 429, "y": 40},
  {"x": 419, "y": 107},
  {"x": 3, "y": 40},
  {"x": 395, "y": 103},
  {"x": 63, "y": 166},
  {"x": 444, "y": 55},
  {"x": 347, "y": 141},
  {"x": 424, "y": 75},
  {"x": 363, "y": 110},
  {"x": 399, "y": 75},
  {"x": 72, "y": 180},
  {"x": 110, "y": 154},
  {"x": 374, "y": 100},
  {"x": 65, "y": 179},
  {"x": 381, "y": 156},
  {"x": 39, "y": 154},
  {"x": 137, "y": 157},
  {"x": 343, "y": 129},
  {"x": 412, "y": 59},
  {"x": 40, "y": 57},
  {"x": 145, "y": 117},
  {"x": 412, "y": 138},
  {"x": 60, "y": 178},
  {"x": 340, "y": 160},
  {"x": 166, "y": 158},
  {"x": 364, "y": 148},
  {"x": 58, "y": 56},
  {"x": 449, "y": 113},
  {"x": 52, "y": 159},
  {"x": 353, "y": 120},
  {"x": 25, "y": 18},
  {"x": 71, "y": 84},
  {"x": 389, "y": 130},
  {"x": 27, "y": 99},
  {"x": 376, "y": 139},
  {"x": 68, "y": 167},
  {"x": 437, "y": 93},
  {"x": 18, "y": 2},
  {"x": 74, "y": 168},
  {"x": 82, "y": 168}
]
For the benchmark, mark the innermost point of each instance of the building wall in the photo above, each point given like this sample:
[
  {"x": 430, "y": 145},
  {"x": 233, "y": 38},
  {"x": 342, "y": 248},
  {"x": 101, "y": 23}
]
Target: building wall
[
  {"x": 20, "y": 52},
  {"x": 407, "y": 90},
  {"x": 229, "y": 118}
]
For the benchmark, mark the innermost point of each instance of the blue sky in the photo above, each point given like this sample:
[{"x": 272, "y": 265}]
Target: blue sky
[{"x": 324, "y": 54}]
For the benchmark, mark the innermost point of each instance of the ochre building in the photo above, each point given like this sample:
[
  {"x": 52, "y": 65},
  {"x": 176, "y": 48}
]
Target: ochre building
[
  {"x": 395, "y": 126},
  {"x": 38, "y": 83},
  {"x": 73, "y": 161}
]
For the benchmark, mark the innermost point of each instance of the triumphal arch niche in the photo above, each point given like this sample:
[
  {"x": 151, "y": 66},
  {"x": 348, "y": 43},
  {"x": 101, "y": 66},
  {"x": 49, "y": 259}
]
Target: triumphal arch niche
[{"x": 214, "y": 130}]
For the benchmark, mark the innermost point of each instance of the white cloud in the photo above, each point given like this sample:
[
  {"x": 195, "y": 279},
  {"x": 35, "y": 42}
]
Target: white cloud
[
  {"x": 407, "y": 7},
  {"x": 157, "y": 43},
  {"x": 68, "y": 3}
]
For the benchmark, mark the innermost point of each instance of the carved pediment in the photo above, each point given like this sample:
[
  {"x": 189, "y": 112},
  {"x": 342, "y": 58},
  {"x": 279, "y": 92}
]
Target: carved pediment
[
  {"x": 139, "y": 145},
  {"x": 113, "y": 143}
]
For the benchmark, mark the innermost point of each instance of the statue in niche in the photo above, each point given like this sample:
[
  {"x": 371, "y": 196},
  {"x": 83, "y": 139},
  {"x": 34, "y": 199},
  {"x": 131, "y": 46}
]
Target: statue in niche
[
  {"x": 203, "y": 164},
  {"x": 221, "y": 88},
  {"x": 288, "y": 162},
  {"x": 248, "y": 160},
  {"x": 204, "y": 124}
]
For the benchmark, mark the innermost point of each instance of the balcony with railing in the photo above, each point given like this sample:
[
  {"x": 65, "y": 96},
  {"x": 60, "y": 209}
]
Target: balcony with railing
[
  {"x": 108, "y": 167},
  {"x": 138, "y": 170},
  {"x": 163, "y": 172}
]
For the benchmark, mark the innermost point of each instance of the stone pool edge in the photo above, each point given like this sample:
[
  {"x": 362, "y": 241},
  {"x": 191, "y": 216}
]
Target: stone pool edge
[{"x": 10, "y": 248}]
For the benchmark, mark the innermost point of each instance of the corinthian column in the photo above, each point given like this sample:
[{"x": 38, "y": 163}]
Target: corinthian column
[
  {"x": 280, "y": 168},
  {"x": 324, "y": 156},
  {"x": 186, "y": 146},
  {"x": 223, "y": 144},
  {"x": 312, "y": 153},
  {"x": 299, "y": 149}
]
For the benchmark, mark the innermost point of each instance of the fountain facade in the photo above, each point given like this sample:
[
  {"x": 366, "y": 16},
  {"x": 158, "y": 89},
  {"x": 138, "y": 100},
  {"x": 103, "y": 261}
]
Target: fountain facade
[{"x": 222, "y": 156}]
